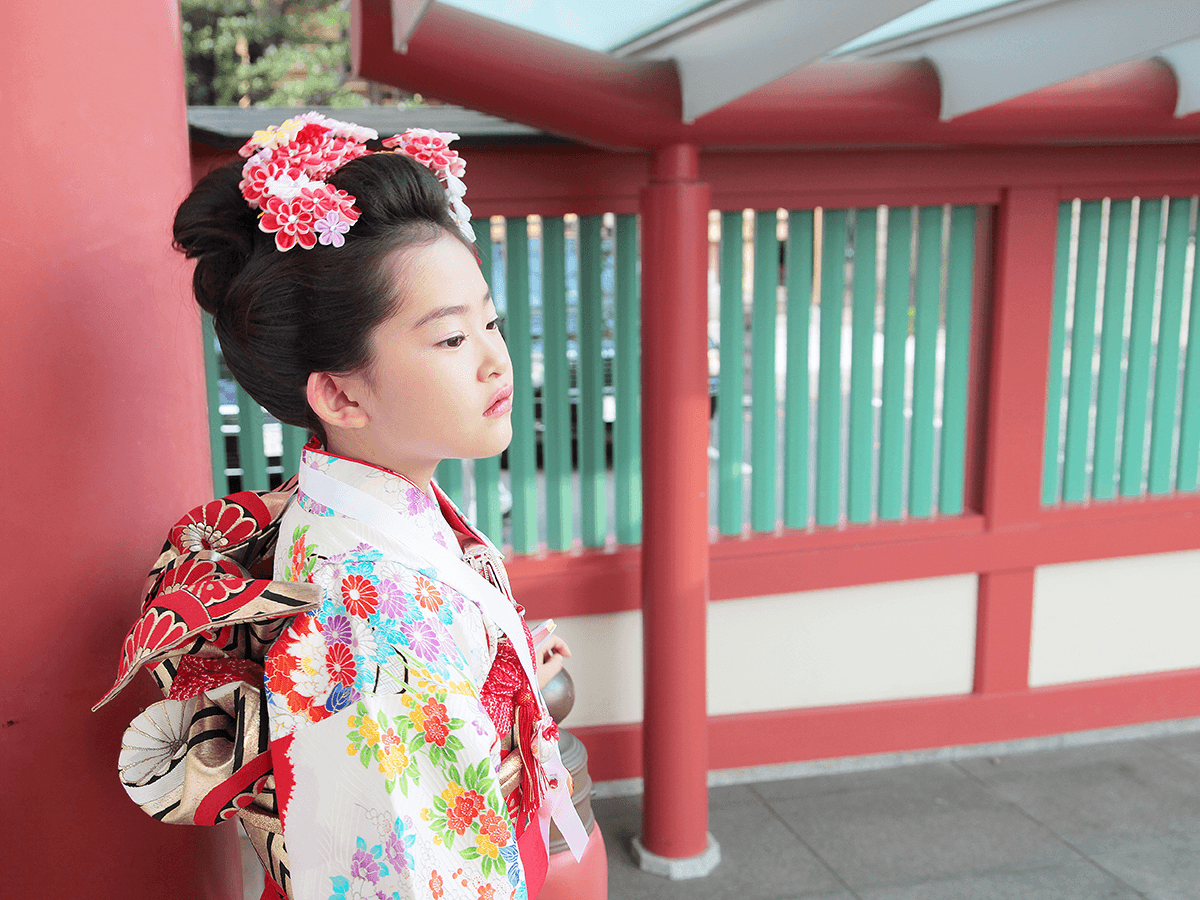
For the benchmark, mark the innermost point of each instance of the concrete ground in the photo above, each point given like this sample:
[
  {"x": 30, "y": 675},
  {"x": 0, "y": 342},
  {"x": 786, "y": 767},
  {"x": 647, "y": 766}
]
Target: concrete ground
[{"x": 1116, "y": 818}]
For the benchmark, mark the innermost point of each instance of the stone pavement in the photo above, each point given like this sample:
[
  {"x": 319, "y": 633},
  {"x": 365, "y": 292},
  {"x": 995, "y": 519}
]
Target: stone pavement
[{"x": 1099, "y": 816}]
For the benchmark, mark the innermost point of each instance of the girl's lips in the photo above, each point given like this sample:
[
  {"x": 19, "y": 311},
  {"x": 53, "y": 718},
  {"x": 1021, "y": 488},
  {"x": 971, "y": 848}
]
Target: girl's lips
[{"x": 501, "y": 402}]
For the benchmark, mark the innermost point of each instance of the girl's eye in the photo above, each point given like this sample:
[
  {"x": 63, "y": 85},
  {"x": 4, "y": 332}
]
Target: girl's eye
[
  {"x": 455, "y": 341},
  {"x": 494, "y": 324}
]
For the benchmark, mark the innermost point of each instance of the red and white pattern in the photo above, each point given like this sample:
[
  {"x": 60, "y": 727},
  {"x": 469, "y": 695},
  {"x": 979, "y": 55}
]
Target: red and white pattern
[{"x": 287, "y": 166}]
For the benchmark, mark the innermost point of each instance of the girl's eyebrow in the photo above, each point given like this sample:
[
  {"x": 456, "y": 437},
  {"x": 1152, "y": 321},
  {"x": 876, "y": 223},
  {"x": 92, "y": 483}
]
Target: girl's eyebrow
[{"x": 443, "y": 311}]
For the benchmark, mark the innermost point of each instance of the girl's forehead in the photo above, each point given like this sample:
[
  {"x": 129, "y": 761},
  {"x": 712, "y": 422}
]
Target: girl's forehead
[{"x": 437, "y": 280}]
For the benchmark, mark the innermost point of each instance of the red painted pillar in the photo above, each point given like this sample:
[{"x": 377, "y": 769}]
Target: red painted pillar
[
  {"x": 106, "y": 444},
  {"x": 1027, "y": 223},
  {"x": 675, "y": 497}
]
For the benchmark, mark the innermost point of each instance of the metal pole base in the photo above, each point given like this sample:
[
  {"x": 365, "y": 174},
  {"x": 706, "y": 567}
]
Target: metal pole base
[{"x": 678, "y": 869}]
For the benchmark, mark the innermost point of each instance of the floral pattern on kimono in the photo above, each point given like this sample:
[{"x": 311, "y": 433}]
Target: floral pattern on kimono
[{"x": 373, "y": 696}]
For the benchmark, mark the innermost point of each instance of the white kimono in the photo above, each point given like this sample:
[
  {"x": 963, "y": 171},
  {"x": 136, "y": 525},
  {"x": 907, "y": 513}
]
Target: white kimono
[{"x": 387, "y": 763}]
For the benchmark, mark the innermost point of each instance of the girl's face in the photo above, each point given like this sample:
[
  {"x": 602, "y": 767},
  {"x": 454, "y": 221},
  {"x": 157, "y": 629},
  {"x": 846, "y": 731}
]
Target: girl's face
[{"x": 440, "y": 386}]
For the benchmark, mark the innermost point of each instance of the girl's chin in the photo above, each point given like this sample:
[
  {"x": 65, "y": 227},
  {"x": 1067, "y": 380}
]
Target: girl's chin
[
  {"x": 505, "y": 435},
  {"x": 493, "y": 447}
]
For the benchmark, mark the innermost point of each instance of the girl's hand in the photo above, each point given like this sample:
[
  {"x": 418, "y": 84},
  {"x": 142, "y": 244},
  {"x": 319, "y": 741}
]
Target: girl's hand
[{"x": 549, "y": 658}]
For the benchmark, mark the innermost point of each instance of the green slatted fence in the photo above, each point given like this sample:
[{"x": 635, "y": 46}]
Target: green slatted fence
[
  {"x": 1123, "y": 404},
  {"x": 842, "y": 339},
  {"x": 567, "y": 292},
  {"x": 860, "y": 325}
]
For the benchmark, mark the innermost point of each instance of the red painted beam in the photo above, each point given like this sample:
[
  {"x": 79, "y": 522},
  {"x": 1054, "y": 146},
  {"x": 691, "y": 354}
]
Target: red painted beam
[
  {"x": 831, "y": 732},
  {"x": 482, "y": 64},
  {"x": 565, "y": 178},
  {"x": 1003, "y": 624},
  {"x": 1024, "y": 273},
  {"x": 485, "y": 65},
  {"x": 1023, "y": 269},
  {"x": 594, "y": 582}
]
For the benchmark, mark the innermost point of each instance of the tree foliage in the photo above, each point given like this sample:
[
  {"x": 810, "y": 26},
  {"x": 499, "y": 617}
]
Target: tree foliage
[{"x": 268, "y": 53}]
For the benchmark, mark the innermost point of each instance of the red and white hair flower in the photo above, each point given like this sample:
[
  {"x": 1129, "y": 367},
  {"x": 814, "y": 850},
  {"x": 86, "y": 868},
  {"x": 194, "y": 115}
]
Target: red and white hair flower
[
  {"x": 432, "y": 149},
  {"x": 284, "y": 176},
  {"x": 287, "y": 166}
]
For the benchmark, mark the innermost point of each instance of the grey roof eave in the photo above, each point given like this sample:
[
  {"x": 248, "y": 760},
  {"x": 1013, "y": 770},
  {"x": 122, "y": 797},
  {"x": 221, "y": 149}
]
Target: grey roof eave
[{"x": 228, "y": 127}]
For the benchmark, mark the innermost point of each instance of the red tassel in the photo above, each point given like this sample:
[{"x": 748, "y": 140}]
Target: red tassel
[
  {"x": 527, "y": 715},
  {"x": 511, "y": 704}
]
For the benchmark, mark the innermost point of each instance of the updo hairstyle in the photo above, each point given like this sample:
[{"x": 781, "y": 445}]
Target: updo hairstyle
[{"x": 281, "y": 316}]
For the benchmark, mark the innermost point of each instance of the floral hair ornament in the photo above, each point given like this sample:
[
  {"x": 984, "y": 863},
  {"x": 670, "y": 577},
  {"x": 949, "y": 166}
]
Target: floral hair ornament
[
  {"x": 287, "y": 167},
  {"x": 432, "y": 149}
]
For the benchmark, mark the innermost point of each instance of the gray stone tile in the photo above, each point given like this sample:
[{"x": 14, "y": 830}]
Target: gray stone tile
[
  {"x": 922, "y": 777},
  {"x": 915, "y": 824},
  {"x": 1100, "y": 798},
  {"x": 1078, "y": 880},
  {"x": 732, "y": 795},
  {"x": 1184, "y": 747},
  {"x": 1168, "y": 869},
  {"x": 760, "y": 857}
]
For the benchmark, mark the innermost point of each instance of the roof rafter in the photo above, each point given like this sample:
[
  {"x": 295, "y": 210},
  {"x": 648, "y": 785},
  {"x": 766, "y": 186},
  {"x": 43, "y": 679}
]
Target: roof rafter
[
  {"x": 593, "y": 97},
  {"x": 1022, "y": 47},
  {"x": 728, "y": 49},
  {"x": 1184, "y": 60}
]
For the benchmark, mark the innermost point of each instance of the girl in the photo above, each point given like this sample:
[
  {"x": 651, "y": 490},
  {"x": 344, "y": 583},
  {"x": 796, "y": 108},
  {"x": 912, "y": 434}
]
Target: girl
[{"x": 372, "y": 712}]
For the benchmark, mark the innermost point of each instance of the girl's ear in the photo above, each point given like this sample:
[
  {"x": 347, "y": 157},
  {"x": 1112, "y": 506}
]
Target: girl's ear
[{"x": 332, "y": 398}]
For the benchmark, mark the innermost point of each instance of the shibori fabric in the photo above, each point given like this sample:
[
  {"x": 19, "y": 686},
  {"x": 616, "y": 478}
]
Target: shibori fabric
[
  {"x": 388, "y": 763},
  {"x": 209, "y": 612}
]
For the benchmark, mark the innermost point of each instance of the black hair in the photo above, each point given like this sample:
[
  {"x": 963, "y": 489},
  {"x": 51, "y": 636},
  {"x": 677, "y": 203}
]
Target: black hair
[{"x": 281, "y": 316}]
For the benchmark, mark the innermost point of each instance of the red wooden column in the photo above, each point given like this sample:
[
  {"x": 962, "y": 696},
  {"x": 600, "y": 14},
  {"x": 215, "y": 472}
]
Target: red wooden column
[
  {"x": 106, "y": 444},
  {"x": 675, "y": 839},
  {"x": 1024, "y": 278}
]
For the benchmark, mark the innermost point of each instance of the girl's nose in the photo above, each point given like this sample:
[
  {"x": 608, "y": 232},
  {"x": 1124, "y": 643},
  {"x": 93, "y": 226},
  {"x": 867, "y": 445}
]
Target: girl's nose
[{"x": 496, "y": 360}]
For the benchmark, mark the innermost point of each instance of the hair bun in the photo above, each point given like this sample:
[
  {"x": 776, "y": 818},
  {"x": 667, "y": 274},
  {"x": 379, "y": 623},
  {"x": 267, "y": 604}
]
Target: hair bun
[
  {"x": 215, "y": 227},
  {"x": 281, "y": 316}
]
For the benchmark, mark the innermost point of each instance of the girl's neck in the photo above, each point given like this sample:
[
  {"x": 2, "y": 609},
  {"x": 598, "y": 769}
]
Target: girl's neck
[{"x": 338, "y": 445}]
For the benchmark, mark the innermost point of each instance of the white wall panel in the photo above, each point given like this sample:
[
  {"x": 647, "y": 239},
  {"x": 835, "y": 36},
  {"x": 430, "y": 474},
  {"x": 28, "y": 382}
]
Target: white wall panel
[
  {"x": 845, "y": 645},
  {"x": 815, "y": 648},
  {"x": 606, "y": 665},
  {"x": 1115, "y": 617}
]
